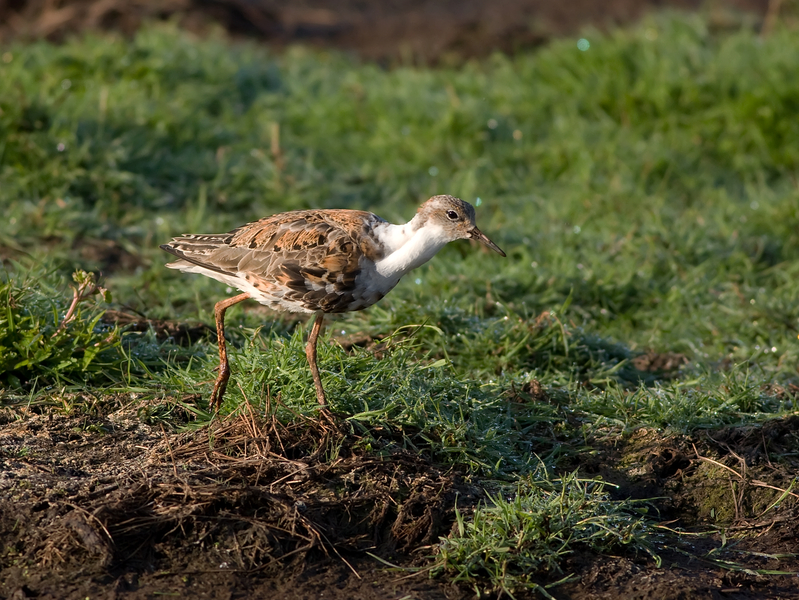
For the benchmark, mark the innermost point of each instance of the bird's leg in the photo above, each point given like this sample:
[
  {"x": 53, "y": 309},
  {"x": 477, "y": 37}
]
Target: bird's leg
[
  {"x": 224, "y": 368},
  {"x": 310, "y": 352}
]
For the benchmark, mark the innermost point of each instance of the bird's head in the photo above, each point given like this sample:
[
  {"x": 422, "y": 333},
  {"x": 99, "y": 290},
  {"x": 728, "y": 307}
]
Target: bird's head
[{"x": 456, "y": 219}]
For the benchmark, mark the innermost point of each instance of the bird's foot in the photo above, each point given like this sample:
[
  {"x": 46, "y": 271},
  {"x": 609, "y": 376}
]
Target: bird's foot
[
  {"x": 218, "y": 393},
  {"x": 327, "y": 416}
]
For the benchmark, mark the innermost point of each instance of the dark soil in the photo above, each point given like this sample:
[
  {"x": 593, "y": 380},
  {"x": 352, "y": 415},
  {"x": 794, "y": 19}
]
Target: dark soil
[
  {"x": 109, "y": 506},
  {"x": 176, "y": 331},
  {"x": 107, "y": 503},
  {"x": 416, "y": 30}
]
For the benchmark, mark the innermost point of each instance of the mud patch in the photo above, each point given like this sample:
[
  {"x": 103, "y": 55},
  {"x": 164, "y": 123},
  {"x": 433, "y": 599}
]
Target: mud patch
[
  {"x": 107, "y": 256},
  {"x": 110, "y": 506},
  {"x": 666, "y": 365},
  {"x": 179, "y": 332},
  {"x": 119, "y": 501},
  {"x": 731, "y": 495}
]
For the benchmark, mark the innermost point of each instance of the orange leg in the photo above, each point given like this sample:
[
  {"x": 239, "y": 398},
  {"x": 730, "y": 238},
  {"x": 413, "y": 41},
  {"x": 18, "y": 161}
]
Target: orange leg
[
  {"x": 310, "y": 352},
  {"x": 224, "y": 368}
]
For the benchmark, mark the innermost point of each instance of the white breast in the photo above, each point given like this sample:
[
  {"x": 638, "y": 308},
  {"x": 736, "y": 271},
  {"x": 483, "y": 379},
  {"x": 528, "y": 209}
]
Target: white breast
[{"x": 407, "y": 249}]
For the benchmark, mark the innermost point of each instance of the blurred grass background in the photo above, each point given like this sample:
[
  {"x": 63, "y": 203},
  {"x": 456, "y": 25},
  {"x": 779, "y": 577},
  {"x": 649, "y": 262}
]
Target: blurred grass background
[{"x": 652, "y": 177}]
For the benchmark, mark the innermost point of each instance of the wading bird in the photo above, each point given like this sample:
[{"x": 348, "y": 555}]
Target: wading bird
[{"x": 319, "y": 261}]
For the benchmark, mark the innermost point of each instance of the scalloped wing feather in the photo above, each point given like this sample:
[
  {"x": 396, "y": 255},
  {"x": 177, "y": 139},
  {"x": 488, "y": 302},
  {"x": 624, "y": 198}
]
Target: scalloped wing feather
[{"x": 301, "y": 261}]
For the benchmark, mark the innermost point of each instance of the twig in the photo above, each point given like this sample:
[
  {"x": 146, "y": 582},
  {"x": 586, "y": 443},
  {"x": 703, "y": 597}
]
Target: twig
[
  {"x": 745, "y": 481},
  {"x": 274, "y": 145},
  {"x": 171, "y": 454},
  {"x": 718, "y": 464},
  {"x": 736, "y": 504},
  {"x": 760, "y": 524},
  {"x": 93, "y": 517},
  {"x": 757, "y": 483},
  {"x": 344, "y": 560},
  {"x": 86, "y": 289}
]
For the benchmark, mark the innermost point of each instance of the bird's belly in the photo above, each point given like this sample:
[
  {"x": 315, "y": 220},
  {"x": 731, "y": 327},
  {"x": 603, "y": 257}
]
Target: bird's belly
[
  {"x": 370, "y": 287},
  {"x": 264, "y": 292},
  {"x": 329, "y": 298}
]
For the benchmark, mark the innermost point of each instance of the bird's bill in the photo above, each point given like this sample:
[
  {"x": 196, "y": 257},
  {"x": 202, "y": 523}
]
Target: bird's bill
[{"x": 478, "y": 235}]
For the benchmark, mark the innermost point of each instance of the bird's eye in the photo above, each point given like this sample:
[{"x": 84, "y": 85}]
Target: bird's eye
[{"x": 452, "y": 215}]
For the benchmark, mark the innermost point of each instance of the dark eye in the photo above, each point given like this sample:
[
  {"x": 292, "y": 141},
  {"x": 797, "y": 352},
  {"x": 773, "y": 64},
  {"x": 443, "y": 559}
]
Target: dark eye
[{"x": 452, "y": 215}]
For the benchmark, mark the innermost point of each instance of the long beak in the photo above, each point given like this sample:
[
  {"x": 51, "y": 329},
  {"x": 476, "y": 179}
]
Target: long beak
[{"x": 478, "y": 235}]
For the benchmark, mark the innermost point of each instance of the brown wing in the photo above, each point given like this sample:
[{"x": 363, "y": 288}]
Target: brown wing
[{"x": 308, "y": 258}]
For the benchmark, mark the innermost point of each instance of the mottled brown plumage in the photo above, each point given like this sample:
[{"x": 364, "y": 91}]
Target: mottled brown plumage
[
  {"x": 320, "y": 261},
  {"x": 301, "y": 261}
]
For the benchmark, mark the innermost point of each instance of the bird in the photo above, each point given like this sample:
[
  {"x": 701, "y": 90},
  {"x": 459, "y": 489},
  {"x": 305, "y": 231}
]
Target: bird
[{"x": 319, "y": 261}]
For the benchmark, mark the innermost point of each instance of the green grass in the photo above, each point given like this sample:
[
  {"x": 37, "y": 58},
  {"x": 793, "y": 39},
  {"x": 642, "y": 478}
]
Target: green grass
[
  {"x": 510, "y": 541},
  {"x": 645, "y": 191},
  {"x": 46, "y": 337}
]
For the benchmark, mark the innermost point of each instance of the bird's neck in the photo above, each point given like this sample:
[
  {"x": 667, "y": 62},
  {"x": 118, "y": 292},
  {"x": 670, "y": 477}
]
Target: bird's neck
[{"x": 409, "y": 246}]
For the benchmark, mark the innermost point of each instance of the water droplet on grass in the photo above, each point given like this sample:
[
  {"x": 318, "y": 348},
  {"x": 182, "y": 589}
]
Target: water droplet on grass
[{"x": 583, "y": 44}]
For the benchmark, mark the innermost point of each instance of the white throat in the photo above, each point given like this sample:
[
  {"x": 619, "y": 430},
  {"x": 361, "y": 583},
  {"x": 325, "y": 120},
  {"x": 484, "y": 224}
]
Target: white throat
[{"x": 408, "y": 247}]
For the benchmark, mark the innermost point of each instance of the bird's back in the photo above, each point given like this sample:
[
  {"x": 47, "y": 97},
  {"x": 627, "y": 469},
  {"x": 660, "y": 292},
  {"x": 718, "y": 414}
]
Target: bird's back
[{"x": 300, "y": 261}]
